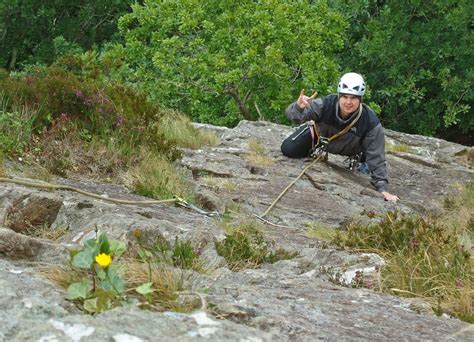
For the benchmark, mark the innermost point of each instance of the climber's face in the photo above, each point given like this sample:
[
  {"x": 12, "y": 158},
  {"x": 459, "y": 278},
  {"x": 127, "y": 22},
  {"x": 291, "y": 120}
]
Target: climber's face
[{"x": 348, "y": 104}]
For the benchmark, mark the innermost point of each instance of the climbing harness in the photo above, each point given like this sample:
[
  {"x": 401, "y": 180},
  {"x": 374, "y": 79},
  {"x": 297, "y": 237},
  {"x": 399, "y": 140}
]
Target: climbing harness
[{"x": 319, "y": 151}]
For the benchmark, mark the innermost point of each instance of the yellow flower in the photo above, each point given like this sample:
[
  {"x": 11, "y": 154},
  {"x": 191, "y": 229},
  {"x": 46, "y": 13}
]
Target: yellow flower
[{"x": 103, "y": 260}]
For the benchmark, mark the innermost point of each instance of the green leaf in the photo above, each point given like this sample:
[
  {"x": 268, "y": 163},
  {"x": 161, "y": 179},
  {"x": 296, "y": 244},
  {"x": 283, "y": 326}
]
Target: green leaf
[
  {"x": 73, "y": 252},
  {"x": 145, "y": 289},
  {"x": 90, "y": 305},
  {"x": 105, "y": 299},
  {"x": 117, "y": 248},
  {"x": 83, "y": 259},
  {"x": 92, "y": 246},
  {"x": 104, "y": 245},
  {"x": 78, "y": 290},
  {"x": 144, "y": 254},
  {"x": 115, "y": 280},
  {"x": 91, "y": 243},
  {"x": 100, "y": 272}
]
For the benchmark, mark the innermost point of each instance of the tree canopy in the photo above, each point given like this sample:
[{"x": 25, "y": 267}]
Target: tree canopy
[
  {"x": 417, "y": 57},
  {"x": 222, "y": 61},
  {"x": 34, "y": 31}
]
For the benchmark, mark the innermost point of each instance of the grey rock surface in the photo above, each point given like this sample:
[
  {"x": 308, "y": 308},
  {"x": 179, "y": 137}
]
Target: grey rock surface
[{"x": 302, "y": 299}]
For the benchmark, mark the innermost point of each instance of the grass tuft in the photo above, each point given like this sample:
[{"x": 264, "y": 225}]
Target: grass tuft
[
  {"x": 320, "y": 232},
  {"x": 425, "y": 257},
  {"x": 47, "y": 232},
  {"x": 167, "y": 282},
  {"x": 154, "y": 176},
  {"x": 257, "y": 154},
  {"x": 246, "y": 247},
  {"x": 398, "y": 148},
  {"x": 179, "y": 130}
]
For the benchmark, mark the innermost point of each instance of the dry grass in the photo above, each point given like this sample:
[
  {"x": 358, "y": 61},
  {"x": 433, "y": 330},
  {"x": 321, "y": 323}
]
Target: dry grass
[
  {"x": 3, "y": 170},
  {"x": 46, "y": 232},
  {"x": 167, "y": 283},
  {"x": 257, "y": 154},
  {"x": 35, "y": 170},
  {"x": 62, "y": 275},
  {"x": 426, "y": 257},
  {"x": 154, "y": 176},
  {"x": 68, "y": 154},
  {"x": 178, "y": 129},
  {"x": 398, "y": 148},
  {"x": 468, "y": 155},
  {"x": 217, "y": 183}
]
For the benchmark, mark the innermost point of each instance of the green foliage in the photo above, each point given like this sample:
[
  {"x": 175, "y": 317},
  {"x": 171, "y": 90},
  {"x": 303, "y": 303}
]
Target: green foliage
[
  {"x": 57, "y": 102},
  {"x": 103, "y": 288},
  {"x": 57, "y": 92},
  {"x": 424, "y": 257},
  {"x": 417, "y": 57},
  {"x": 157, "y": 178},
  {"x": 39, "y": 31},
  {"x": 15, "y": 130},
  {"x": 218, "y": 60},
  {"x": 246, "y": 246},
  {"x": 182, "y": 254},
  {"x": 73, "y": 103}
]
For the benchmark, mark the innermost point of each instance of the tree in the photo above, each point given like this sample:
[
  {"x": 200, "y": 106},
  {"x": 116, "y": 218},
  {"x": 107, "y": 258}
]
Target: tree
[
  {"x": 221, "y": 61},
  {"x": 37, "y": 31},
  {"x": 417, "y": 57}
]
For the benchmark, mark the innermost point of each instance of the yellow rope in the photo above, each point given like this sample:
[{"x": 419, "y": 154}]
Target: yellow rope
[
  {"x": 289, "y": 186},
  {"x": 335, "y": 136},
  {"x": 86, "y": 193}
]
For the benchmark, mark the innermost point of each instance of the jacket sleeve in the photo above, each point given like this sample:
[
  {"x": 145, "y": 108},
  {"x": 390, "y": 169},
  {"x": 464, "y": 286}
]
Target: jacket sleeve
[
  {"x": 300, "y": 115},
  {"x": 374, "y": 146}
]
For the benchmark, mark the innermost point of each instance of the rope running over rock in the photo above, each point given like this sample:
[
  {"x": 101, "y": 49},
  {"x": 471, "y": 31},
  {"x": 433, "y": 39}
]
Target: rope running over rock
[{"x": 86, "y": 193}]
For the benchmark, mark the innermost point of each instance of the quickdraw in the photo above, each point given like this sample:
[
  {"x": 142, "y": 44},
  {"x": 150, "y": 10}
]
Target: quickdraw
[
  {"x": 353, "y": 161},
  {"x": 183, "y": 203}
]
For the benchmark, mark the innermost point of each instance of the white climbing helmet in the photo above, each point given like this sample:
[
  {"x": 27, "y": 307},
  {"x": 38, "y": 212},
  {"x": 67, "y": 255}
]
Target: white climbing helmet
[{"x": 351, "y": 83}]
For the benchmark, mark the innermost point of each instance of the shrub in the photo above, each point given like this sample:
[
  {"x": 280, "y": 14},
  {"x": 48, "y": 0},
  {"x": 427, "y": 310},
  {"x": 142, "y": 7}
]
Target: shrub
[
  {"x": 15, "y": 130},
  {"x": 245, "y": 246},
  {"x": 424, "y": 258}
]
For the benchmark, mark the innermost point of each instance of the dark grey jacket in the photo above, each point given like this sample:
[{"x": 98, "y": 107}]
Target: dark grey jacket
[{"x": 367, "y": 135}]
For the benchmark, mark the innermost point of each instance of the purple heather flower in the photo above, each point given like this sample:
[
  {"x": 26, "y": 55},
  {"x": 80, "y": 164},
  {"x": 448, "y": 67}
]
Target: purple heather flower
[{"x": 78, "y": 93}]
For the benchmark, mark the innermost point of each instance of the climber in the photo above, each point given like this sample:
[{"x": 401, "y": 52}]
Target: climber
[{"x": 327, "y": 116}]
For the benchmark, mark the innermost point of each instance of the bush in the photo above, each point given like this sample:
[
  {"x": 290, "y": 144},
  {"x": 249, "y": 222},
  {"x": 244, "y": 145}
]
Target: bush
[
  {"x": 245, "y": 246},
  {"x": 15, "y": 130},
  {"x": 424, "y": 258}
]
